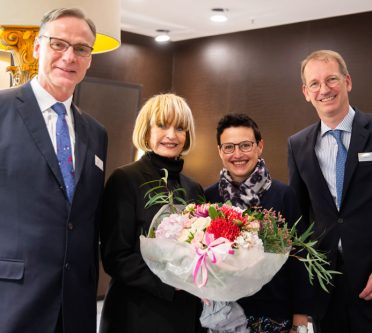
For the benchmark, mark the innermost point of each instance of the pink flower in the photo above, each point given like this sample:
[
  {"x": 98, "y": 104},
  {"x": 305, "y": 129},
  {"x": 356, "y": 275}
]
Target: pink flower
[
  {"x": 201, "y": 210},
  {"x": 171, "y": 226}
]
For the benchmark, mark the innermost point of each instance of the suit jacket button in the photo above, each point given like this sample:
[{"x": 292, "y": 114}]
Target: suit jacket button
[
  {"x": 67, "y": 266},
  {"x": 70, "y": 226},
  {"x": 340, "y": 220}
]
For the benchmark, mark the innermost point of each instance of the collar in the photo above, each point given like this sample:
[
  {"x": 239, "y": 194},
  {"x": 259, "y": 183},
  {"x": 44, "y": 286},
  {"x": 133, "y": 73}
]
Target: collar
[
  {"x": 46, "y": 100},
  {"x": 345, "y": 125}
]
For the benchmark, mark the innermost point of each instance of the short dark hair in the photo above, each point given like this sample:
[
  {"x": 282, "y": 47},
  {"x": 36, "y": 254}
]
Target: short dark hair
[
  {"x": 237, "y": 120},
  {"x": 66, "y": 12}
]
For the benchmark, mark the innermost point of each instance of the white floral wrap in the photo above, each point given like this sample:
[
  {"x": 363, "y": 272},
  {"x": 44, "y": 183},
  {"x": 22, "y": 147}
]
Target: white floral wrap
[{"x": 239, "y": 275}]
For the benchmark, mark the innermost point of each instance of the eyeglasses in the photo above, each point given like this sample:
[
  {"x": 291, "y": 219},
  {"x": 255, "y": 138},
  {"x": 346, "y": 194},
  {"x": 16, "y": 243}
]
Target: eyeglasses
[
  {"x": 61, "y": 45},
  {"x": 244, "y": 146},
  {"x": 330, "y": 82}
]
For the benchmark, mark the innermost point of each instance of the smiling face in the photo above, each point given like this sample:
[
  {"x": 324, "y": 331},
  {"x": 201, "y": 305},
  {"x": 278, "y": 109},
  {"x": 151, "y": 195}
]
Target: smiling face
[
  {"x": 60, "y": 72},
  {"x": 331, "y": 103},
  {"x": 167, "y": 140},
  {"x": 240, "y": 164}
]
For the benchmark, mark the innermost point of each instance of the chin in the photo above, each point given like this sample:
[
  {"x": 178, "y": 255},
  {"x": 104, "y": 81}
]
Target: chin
[
  {"x": 170, "y": 155},
  {"x": 64, "y": 82}
]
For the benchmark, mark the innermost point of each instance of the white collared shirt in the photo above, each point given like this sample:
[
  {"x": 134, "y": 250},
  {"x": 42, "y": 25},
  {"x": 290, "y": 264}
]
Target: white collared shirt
[
  {"x": 46, "y": 101},
  {"x": 326, "y": 149}
]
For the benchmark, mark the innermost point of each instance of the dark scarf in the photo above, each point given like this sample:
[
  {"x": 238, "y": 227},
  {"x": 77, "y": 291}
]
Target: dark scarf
[{"x": 248, "y": 193}]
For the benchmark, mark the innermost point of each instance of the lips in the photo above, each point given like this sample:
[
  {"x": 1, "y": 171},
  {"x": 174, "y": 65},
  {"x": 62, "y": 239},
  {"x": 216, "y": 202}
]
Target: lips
[
  {"x": 239, "y": 163},
  {"x": 169, "y": 144},
  {"x": 327, "y": 99},
  {"x": 66, "y": 70}
]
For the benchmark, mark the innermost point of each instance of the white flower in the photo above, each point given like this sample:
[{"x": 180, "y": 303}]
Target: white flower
[
  {"x": 171, "y": 226},
  {"x": 248, "y": 240},
  {"x": 200, "y": 224}
]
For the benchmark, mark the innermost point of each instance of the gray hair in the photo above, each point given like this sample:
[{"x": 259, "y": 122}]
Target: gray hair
[{"x": 66, "y": 12}]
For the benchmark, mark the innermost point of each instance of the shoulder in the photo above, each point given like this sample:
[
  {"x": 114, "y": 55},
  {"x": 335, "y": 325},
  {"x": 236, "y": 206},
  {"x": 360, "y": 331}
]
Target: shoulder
[
  {"x": 135, "y": 172},
  {"x": 282, "y": 198},
  {"x": 129, "y": 171},
  {"x": 279, "y": 194},
  {"x": 212, "y": 193},
  {"x": 281, "y": 188},
  {"x": 303, "y": 134},
  {"x": 194, "y": 191},
  {"x": 188, "y": 180},
  {"x": 362, "y": 118},
  {"x": 11, "y": 94}
]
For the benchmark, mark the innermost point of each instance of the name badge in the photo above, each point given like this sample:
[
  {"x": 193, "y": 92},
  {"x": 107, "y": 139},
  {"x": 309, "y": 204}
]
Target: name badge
[
  {"x": 98, "y": 162},
  {"x": 365, "y": 157}
]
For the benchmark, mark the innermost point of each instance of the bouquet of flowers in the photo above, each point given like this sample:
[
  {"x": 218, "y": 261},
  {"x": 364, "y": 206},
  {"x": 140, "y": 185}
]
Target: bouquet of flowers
[{"x": 220, "y": 252}]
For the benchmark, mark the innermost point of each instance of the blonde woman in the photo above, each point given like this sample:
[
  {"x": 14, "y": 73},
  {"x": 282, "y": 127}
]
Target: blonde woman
[{"x": 137, "y": 301}]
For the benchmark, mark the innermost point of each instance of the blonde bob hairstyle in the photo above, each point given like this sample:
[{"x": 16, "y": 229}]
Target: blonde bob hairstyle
[{"x": 160, "y": 110}]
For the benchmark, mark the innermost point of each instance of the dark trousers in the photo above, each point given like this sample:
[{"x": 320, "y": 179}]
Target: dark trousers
[{"x": 343, "y": 314}]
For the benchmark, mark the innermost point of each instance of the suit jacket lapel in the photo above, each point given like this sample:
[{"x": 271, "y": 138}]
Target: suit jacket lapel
[
  {"x": 309, "y": 150},
  {"x": 81, "y": 140},
  {"x": 30, "y": 112},
  {"x": 359, "y": 139}
]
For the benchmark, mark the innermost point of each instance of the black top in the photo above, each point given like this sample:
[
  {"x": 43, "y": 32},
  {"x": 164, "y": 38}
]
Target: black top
[
  {"x": 289, "y": 292},
  {"x": 137, "y": 301}
]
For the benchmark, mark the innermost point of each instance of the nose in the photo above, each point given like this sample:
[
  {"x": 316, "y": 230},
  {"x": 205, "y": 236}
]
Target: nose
[
  {"x": 171, "y": 132},
  {"x": 69, "y": 54},
  {"x": 324, "y": 88},
  {"x": 237, "y": 152}
]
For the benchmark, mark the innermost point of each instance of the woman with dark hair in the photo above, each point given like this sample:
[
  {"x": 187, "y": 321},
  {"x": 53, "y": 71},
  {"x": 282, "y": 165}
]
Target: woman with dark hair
[{"x": 284, "y": 303}]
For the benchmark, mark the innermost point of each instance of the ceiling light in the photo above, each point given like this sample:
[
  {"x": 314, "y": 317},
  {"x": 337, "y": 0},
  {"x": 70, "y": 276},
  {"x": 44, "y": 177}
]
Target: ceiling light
[
  {"x": 219, "y": 15},
  {"x": 163, "y": 36}
]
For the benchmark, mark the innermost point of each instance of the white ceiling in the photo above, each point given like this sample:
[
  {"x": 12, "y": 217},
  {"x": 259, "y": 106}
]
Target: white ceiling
[{"x": 186, "y": 19}]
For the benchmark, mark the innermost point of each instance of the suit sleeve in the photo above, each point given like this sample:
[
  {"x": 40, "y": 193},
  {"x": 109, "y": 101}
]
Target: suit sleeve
[
  {"x": 298, "y": 185},
  {"x": 120, "y": 231},
  {"x": 302, "y": 292}
]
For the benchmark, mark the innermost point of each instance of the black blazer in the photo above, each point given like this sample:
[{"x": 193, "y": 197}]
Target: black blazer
[
  {"x": 137, "y": 301},
  {"x": 48, "y": 249},
  {"x": 353, "y": 223}
]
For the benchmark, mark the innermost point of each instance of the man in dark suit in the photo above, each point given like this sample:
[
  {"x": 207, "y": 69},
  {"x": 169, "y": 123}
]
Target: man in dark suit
[
  {"x": 51, "y": 183},
  {"x": 333, "y": 177}
]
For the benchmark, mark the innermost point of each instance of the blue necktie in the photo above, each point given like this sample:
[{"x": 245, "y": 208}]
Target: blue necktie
[
  {"x": 64, "y": 152},
  {"x": 340, "y": 164}
]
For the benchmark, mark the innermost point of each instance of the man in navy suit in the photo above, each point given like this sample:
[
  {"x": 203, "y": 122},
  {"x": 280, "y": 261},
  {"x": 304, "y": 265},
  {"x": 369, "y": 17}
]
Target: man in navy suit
[
  {"x": 48, "y": 229},
  {"x": 339, "y": 202}
]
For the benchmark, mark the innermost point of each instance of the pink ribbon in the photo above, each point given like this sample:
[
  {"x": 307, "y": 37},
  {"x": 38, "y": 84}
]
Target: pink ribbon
[{"x": 221, "y": 245}]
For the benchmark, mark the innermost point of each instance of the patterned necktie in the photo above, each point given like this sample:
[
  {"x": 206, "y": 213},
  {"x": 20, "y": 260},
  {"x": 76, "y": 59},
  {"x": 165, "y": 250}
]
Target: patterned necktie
[
  {"x": 340, "y": 164},
  {"x": 64, "y": 152}
]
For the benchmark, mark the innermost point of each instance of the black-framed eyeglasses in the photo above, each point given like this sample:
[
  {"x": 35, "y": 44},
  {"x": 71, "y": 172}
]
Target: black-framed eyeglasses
[
  {"x": 61, "y": 45},
  {"x": 244, "y": 146},
  {"x": 330, "y": 82}
]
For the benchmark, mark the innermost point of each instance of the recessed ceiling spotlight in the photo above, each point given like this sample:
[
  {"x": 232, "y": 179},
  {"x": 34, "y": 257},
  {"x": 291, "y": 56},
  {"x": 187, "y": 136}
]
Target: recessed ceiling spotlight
[
  {"x": 163, "y": 36},
  {"x": 219, "y": 15}
]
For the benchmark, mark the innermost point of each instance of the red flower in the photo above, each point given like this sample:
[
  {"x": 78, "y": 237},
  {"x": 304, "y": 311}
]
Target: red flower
[
  {"x": 221, "y": 227},
  {"x": 232, "y": 215}
]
